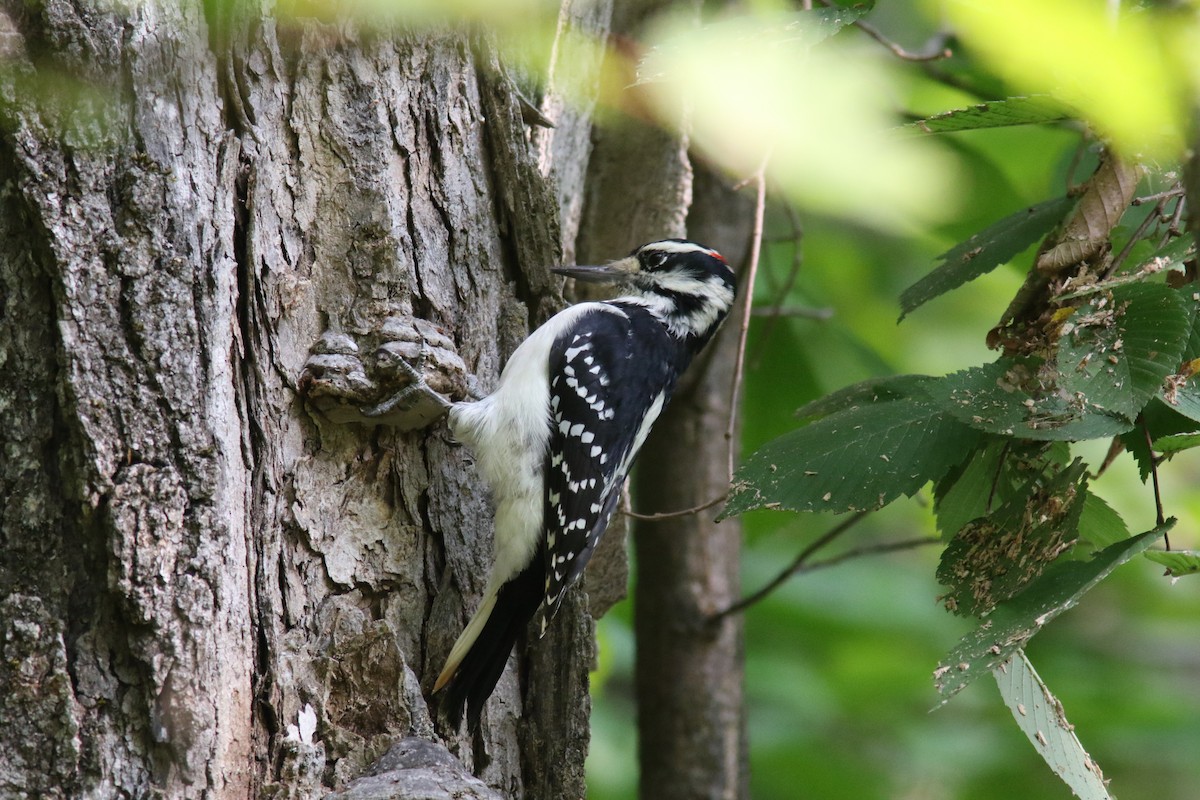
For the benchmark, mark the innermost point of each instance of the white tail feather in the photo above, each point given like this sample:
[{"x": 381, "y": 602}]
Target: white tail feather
[{"x": 467, "y": 638}]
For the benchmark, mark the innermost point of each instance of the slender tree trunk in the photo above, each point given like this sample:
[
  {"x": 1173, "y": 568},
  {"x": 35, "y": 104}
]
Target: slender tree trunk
[
  {"x": 207, "y": 587},
  {"x": 689, "y": 670}
]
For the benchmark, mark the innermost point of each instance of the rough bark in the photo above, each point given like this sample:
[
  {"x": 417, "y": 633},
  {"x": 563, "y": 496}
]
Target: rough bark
[{"x": 191, "y": 556}]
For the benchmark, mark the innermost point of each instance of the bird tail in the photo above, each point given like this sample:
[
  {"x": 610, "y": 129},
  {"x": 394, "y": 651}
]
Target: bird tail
[{"x": 477, "y": 659}]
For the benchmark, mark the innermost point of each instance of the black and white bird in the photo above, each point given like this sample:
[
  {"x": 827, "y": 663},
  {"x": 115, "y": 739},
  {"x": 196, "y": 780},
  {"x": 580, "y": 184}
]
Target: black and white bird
[{"x": 557, "y": 438}]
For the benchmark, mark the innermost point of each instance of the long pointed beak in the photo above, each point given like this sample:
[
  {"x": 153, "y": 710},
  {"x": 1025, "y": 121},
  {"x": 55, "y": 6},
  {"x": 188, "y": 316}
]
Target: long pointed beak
[{"x": 604, "y": 273}]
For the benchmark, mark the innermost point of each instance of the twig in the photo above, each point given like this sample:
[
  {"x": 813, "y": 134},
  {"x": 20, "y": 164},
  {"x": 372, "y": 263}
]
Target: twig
[
  {"x": 807, "y": 312},
  {"x": 1174, "y": 191},
  {"x": 937, "y": 46},
  {"x": 672, "y": 514},
  {"x": 999, "y": 472},
  {"x": 776, "y": 311},
  {"x": 1153, "y": 217},
  {"x": 795, "y": 567},
  {"x": 1173, "y": 227},
  {"x": 1160, "y": 518},
  {"x": 760, "y": 206}
]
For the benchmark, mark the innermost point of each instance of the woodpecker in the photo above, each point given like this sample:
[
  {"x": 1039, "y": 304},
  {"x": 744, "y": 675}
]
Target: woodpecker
[{"x": 556, "y": 439}]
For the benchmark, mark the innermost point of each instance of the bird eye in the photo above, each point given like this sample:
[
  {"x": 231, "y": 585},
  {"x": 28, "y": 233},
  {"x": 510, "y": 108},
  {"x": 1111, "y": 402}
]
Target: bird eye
[{"x": 655, "y": 260}]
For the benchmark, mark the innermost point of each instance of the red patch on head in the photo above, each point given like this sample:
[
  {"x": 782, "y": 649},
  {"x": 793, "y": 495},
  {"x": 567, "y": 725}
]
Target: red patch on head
[{"x": 717, "y": 256}]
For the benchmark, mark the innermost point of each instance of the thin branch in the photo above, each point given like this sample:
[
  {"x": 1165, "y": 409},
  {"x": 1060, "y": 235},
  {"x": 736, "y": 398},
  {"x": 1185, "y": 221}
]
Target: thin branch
[
  {"x": 806, "y": 312},
  {"x": 937, "y": 46},
  {"x": 795, "y": 566},
  {"x": 1174, "y": 191},
  {"x": 776, "y": 311},
  {"x": 672, "y": 514},
  {"x": 999, "y": 472},
  {"x": 760, "y": 210},
  {"x": 1153, "y": 217},
  {"x": 1160, "y": 518},
  {"x": 1173, "y": 228}
]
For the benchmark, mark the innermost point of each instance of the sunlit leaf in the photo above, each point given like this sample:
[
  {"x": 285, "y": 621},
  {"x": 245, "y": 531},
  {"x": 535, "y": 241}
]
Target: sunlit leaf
[
  {"x": 1115, "y": 71},
  {"x": 860, "y": 458},
  {"x": 1015, "y": 622},
  {"x": 1041, "y": 718},
  {"x": 1034, "y": 110},
  {"x": 985, "y": 251},
  {"x": 751, "y": 100}
]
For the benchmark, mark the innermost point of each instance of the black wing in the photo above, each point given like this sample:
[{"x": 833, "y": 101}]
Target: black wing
[{"x": 603, "y": 401}]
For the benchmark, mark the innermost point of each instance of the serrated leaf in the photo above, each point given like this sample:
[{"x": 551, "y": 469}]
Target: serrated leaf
[
  {"x": 1034, "y": 110},
  {"x": 1160, "y": 420},
  {"x": 1013, "y": 623},
  {"x": 990, "y": 477},
  {"x": 1177, "y": 562},
  {"x": 995, "y": 557},
  {"x": 1041, "y": 718},
  {"x": 1117, "y": 349},
  {"x": 872, "y": 390},
  {"x": 1099, "y": 524},
  {"x": 1017, "y": 397},
  {"x": 985, "y": 251},
  {"x": 860, "y": 458}
]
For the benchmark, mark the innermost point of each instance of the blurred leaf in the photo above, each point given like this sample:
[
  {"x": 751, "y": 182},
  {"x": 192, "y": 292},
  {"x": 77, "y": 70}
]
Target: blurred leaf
[
  {"x": 1099, "y": 525},
  {"x": 1177, "y": 562},
  {"x": 822, "y": 142},
  {"x": 1041, "y": 718},
  {"x": 1013, "y": 623},
  {"x": 1116, "y": 72},
  {"x": 1033, "y": 110},
  {"x": 985, "y": 251},
  {"x": 995, "y": 557},
  {"x": 860, "y": 458},
  {"x": 872, "y": 390}
]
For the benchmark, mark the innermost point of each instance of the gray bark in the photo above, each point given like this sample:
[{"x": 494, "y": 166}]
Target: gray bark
[
  {"x": 689, "y": 671},
  {"x": 190, "y": 555}
]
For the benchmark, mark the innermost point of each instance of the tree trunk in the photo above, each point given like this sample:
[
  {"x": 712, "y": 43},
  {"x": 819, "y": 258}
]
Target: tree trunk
[
  {"x": 208, "y": 588},
  {"x": 691, "y": 727}
]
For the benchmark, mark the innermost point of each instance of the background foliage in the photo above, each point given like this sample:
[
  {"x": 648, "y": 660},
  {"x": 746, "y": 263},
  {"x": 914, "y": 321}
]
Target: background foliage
[{"x": 840, "y": 660}]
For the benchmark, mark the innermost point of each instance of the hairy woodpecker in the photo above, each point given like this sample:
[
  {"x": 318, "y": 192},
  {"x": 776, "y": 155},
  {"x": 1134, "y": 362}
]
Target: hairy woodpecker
[{"x": 556, "y": 439}]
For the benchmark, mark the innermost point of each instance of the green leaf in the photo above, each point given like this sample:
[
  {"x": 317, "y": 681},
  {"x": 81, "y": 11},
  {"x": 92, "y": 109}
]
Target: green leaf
[
  {"x": 872, "y": 390},
  {"x": 990, "y": 477},
  {"x": 1041, "y": 718},
  {"x": 985, "y": 251},
  {"x": 860, "y": 458},
  {"x": 994, "y": 558},
  {"x": 1171, "y": 256},
  {"x": 1177, "y": 562},
  {"x": 1034, "y": 110},
  {"x": 1161, "y": 421},
  {"x": 1015, "y": 622},
  {"x": 1099, "y": 524},
  {"x": 1017, "y": 397},
  {"x": 1116, "y": 350},
  {"x": 964, "y": 494},
  {"x": 1169, "y": 445}
]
